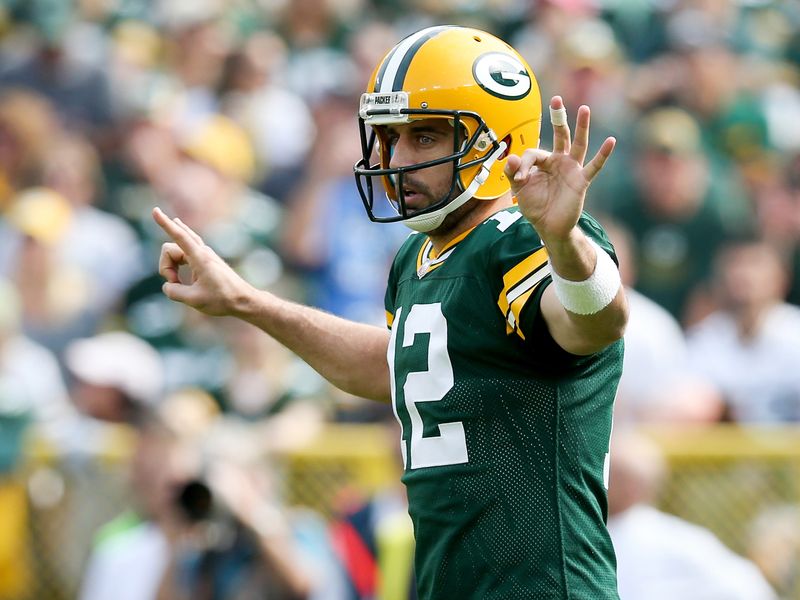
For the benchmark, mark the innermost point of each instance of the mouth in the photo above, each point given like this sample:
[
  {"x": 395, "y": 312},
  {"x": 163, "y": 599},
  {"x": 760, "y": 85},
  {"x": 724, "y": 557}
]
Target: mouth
[{"x": 413, "y": 199}]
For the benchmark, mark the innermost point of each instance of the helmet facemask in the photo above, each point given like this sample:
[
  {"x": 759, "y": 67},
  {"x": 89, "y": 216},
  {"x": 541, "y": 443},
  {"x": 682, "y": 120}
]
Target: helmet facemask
[{"x": 481, "y": 142}]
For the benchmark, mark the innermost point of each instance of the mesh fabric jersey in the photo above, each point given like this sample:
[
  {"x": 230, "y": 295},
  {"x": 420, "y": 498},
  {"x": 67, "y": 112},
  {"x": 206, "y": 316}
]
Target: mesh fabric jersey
[{"x": 505, "y": 435}]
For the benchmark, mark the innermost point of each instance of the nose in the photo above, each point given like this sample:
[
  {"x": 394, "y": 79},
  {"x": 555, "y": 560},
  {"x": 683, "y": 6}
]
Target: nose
[{"x": 400, "y": 152}]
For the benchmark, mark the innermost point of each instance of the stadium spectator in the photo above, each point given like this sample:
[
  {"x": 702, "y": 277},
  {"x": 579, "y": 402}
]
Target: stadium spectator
[
  {"x": 30, "y": 373},
  {"x": 593, "y": 66},
  {"x": 591, "y": 70},
  {"x": 713, "y": 88},
  {"x": 130, "y": 554},
  {"x": 231, "y": 539},
  {"x": 73, "y": 239},
  {"x": 326, "y": 237},
  {"x": 115, "y": 375},
  {"x": 58, "y": 66},
  {"x": 367, "y": 46},
  {"x": 279, "y": 121},
  {"x": 71, "y": 167},
  {"x": 27, "y": 124},
  {"x": 60, "y": 299},
  {"x": 658, "y": 385},
  {"x": 196, "y": 47},
  {"x": 115, "y": 379},
  {"x": 198, "y": 525},
  {"x": 776, "y": 198},
  {"x": 315, "y": 32},
  {"x": 135, "y": 47},
  {"x": 748, "y": 346},
  {"x": 209, "y": 188},
  {"x": 662, "y": 557},
  {"x": 672, "y": 211},
  {"x": 545, "y": 24},
  {"x": 555, "y": 347}
]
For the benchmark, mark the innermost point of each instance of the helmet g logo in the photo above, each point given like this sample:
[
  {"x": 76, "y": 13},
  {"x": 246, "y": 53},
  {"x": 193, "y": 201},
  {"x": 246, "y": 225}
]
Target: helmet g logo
[{"x": 502, "y": 75}]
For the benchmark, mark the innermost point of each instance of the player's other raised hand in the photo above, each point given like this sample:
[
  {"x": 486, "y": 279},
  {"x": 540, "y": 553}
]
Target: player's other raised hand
[
  {"x": 215, "y": 288},
  {"x": 551, "y": 186}
]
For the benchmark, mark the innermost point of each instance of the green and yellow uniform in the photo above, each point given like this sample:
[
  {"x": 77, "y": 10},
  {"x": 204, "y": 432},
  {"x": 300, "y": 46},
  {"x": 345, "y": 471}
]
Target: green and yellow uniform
[{"x": 505, "y": 435}]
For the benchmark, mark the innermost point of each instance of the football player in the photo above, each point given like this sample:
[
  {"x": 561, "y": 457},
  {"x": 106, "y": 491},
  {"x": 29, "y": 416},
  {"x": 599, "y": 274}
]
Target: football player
[{"x": 505, "y": 315}]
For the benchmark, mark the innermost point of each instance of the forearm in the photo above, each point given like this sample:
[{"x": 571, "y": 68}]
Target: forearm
[
  {"x": 281, "y": 559},
  {"x": 575, "y": 258},
  {"x": 293, "y": 579},
  {"x": 352, "y": 356}
]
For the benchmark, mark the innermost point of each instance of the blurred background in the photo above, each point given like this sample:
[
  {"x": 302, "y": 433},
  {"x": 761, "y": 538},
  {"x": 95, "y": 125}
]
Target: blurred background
[{"x": 147, "y": 451}]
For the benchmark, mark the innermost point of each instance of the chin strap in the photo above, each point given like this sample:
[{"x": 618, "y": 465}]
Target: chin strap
[{"x": 432, "y": 220}]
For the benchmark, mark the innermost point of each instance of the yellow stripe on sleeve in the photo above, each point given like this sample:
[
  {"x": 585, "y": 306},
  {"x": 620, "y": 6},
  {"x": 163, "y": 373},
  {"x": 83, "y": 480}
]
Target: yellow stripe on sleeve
[
  {"x": 516, "y": 309},
  {"x": 389, "y": 319},
  {"x": 518, "y": 273}
]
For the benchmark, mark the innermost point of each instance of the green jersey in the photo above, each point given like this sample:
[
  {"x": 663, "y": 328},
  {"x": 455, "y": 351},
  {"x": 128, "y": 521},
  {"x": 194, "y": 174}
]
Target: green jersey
[{"x": 505, "y": 435}]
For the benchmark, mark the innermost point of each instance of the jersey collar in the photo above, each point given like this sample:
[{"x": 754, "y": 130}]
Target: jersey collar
[{"x": 427, "y": 258}]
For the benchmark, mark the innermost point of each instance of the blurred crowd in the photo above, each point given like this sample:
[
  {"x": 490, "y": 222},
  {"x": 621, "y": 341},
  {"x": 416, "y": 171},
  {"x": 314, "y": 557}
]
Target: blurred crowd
[{"x": 239, "y": 117}]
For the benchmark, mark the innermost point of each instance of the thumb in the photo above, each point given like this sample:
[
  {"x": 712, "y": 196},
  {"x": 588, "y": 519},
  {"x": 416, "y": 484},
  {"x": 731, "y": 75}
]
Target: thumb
[
  {"x": 512, "y": 165},
  {"x": 178, "y": 292}
]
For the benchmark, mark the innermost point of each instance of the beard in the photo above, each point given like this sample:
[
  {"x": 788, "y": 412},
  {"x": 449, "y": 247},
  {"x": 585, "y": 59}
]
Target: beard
[
  {"x": 454, "y": 219},
  {"x": 425, "y": 196}
]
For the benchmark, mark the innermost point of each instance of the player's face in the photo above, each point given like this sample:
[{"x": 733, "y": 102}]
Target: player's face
[{"x": 417, "y": 142}]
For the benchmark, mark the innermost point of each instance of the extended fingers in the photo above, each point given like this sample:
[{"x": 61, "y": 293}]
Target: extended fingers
[
  {"x": 188, "y": 240},
  {"x": 581, "y": 143},
  {"x": 599, "y": 159},
  {"x": 191, "y": 232}
]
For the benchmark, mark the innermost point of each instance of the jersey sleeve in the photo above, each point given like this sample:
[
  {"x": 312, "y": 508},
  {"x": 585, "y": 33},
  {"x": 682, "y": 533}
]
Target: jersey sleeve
[
  {"x": 391, "y": 294},
  {"x": 519, "y": 268},
  {"x": 524, "y": 274}
]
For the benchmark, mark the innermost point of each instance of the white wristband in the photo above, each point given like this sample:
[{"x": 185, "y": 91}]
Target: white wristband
[{"x": 591, "y": 295}]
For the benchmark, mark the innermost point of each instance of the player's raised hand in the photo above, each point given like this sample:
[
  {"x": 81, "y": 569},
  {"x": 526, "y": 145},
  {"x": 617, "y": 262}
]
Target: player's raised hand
[
  {"x": 215, "y": 288},
  {"x": 550, "y": 187}
]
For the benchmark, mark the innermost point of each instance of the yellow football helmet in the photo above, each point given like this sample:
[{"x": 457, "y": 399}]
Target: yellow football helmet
[{"x": 473, "y": 79}]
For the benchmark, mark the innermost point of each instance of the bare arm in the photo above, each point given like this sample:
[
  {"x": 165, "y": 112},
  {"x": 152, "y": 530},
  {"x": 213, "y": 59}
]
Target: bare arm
[
  {"x": 551, "y": 189},
  {"x": 350, "y": 355},
  {"x": 242, "y": 489}
]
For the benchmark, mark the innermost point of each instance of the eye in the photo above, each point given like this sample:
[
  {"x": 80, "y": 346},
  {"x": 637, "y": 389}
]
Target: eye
[{"x": 425, "y": 140}]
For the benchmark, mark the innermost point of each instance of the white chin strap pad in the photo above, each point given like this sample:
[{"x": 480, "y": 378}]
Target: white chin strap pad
[{"x": 432, "y": 220}]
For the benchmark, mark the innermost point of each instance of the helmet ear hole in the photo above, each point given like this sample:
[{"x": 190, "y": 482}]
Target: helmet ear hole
[{"x": 507, "y": 151}]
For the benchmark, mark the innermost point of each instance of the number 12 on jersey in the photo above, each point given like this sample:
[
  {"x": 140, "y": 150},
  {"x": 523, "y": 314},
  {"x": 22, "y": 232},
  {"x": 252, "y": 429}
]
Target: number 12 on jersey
[{"x": 431, "y": 385}]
